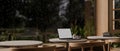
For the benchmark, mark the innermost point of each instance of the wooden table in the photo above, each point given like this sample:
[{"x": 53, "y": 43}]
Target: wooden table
[
  {"x": 19, "y": 43},
  {"x": 109, "y": 39},
  {"x": 101, "y": 37},
  {"x": 66, "y": 41}
]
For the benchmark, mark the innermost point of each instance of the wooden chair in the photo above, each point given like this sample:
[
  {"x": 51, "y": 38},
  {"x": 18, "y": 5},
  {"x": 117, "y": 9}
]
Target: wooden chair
[
  {"x": 59, "y": 46},
  {"x": 110, "y": 41},
  {"x": 89, "y": 44},
  {"x": 52, "y": 48}
]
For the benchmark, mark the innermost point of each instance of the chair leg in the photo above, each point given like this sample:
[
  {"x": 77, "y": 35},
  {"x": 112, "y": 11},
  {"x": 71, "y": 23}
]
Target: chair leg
[
  {"x": 69, "y": 48},
  {"x": 104, "y": 48},
  {"x": 82, "y": 49},
  {"x": 91, "y": 48},
  {"x": 108, "y": 47}
]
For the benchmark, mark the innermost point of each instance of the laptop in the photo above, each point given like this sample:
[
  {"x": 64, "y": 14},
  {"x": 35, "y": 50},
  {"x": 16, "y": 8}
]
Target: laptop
[{"x": 64, "y": 33}]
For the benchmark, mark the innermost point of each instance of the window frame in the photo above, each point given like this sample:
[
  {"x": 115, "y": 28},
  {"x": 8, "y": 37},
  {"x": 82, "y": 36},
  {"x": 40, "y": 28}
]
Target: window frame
[{"x": 111, "y": 17}]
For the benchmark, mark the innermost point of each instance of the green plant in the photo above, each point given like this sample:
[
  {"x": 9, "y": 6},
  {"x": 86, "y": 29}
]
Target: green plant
[
  {"x": 82, "y": 31},
  {"x": 117, "y": 34},
  {"x": 76, "y": 30}
]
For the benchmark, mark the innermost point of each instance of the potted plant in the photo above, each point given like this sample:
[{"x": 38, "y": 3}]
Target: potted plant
[
  {"x": 82, "y": 32},
  {"x": 78, "y": 32}
]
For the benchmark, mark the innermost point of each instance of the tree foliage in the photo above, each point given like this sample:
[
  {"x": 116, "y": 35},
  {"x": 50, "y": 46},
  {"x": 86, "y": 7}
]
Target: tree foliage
[{"x": 39, "y": 13}]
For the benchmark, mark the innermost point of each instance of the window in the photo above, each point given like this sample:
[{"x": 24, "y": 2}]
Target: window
[
  {"x": 114, "y": 15},
  {"x": 29, "y": 19}
]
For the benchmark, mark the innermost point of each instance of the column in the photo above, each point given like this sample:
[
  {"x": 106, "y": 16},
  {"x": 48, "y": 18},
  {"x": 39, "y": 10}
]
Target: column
[{"x": 101, "y": 17}]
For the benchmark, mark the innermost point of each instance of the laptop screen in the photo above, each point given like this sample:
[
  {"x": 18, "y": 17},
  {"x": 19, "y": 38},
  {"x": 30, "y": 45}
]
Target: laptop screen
[{"x": 64, "y": 33}]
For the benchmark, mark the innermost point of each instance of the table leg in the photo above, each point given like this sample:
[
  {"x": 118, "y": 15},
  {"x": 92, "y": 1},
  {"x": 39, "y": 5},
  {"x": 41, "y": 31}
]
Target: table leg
[
  {"x": 91, "y": 48},
  {"x": 67, "y": 47},
  {"x": 108, "y": 47},
  {"x": 82, "y": 49},
  {"x": 104, "y": 48}
]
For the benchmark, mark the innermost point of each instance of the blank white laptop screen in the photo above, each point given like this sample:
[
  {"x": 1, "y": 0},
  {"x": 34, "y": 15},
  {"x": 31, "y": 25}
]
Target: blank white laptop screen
[{"x": 64, "y": 33}]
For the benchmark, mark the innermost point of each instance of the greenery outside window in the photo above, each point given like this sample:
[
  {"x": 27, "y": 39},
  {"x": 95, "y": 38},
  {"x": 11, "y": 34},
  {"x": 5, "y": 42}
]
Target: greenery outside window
[{"x": 39, "y": 19}]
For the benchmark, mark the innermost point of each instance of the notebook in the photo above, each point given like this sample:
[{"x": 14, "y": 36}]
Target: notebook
[{"x": 64, "y": 33}]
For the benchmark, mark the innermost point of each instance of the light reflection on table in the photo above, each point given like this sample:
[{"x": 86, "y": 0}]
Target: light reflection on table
[{"x": 19, "y": 43}]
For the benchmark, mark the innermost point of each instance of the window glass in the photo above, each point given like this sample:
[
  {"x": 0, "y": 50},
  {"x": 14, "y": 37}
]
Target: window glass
[
  {"x": 117, "y": 3},
  {"x": 117, "y": 24},
  {"x": 117, "y": 14},
  {"x": 30, "y": 19}
]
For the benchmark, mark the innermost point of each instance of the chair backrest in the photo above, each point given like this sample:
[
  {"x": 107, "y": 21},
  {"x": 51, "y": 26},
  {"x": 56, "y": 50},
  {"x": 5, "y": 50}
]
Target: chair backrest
[{"x": 35, "y": 49}]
